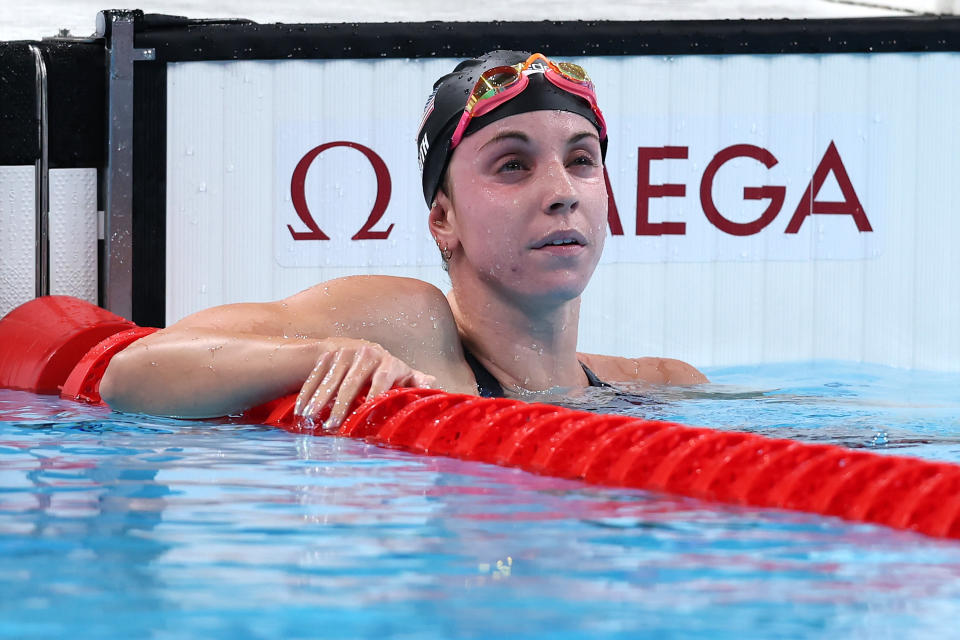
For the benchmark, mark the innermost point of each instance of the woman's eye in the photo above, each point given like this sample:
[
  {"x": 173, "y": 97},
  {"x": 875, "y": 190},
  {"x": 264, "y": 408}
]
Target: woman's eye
[
  {"x": 513, "y": 164},
  {"x": 583, "y": 160}
]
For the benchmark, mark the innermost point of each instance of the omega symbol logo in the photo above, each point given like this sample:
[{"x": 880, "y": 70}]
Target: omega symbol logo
[{"x": 299, "y": 197}]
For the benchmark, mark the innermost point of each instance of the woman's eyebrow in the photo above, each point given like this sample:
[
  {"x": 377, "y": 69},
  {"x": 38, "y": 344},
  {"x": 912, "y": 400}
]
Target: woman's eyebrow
[
  {"x": 574, "y": 139},
  {"x": 506, "y": 135}
]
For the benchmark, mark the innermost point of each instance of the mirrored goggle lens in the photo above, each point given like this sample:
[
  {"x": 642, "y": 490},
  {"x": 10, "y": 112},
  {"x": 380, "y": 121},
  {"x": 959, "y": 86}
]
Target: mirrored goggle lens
[
  {"x": 574, "y": 72},
  {"x": 494, "y": 80}
]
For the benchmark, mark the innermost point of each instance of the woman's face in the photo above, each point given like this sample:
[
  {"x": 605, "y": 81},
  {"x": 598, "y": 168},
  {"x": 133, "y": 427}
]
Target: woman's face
[{"x": 527, "y": 206}]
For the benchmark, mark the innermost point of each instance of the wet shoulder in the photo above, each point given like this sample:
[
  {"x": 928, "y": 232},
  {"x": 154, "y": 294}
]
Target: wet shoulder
[
  {"x": 651, "y": 370},
  {"x": 374, "y": 292},
  {"x": 410, "y": 318}
]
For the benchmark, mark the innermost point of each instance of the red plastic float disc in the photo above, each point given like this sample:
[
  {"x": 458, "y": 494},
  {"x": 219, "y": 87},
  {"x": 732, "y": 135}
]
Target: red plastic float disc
[
  {"x": 365, "y": 421},
  {"x": 441, "y": 435},
  {"x": 855, "y": 483},
  {"x": 805, "y": 484},
  {"x": 638, "y": 465},
  {"x": 598, "y": 458},
  {"x": 917, "y": 503},
  {"x": 680, "y": 472},
  {"x": 566, "y": 448},
  {"x": 520, "y": 447},
  {"x": 403, "y": 428},
  {"x": 481, "y": 439}
]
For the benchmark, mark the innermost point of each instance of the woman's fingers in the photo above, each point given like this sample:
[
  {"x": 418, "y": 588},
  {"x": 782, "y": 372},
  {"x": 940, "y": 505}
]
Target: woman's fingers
[
  {"x": 423, "y": 380},
  {"x": 341, "y": 375},
  {"x": 357, "y": 375},
  {"x": 313, "y": 381},
  {"x": 414, "y": 378},
  {"x": 395, "y": 373},
  {"x": 330, "y": 384},
  {"x": 382, "y": 379}
]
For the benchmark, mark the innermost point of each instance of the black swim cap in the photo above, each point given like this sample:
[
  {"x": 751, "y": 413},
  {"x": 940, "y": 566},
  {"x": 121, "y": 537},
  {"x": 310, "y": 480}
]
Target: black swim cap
[{"x": 445, "y": 107}]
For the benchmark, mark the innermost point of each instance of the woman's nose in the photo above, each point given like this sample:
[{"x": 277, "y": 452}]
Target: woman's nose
[{"x": 561, "y": 194}]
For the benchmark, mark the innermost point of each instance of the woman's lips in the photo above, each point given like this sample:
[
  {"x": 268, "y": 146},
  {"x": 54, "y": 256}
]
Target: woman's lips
[
  {"x": 564, "y": 242},
  {"x": 562, "y": 250}
]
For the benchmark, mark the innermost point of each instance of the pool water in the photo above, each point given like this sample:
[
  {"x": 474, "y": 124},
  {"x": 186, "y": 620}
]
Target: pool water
[{"x": 120, "y": 526}]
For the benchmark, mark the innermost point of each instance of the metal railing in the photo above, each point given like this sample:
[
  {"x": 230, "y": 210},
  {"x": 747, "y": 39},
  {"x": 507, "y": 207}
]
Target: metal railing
[{"x": 42, "y": 181}]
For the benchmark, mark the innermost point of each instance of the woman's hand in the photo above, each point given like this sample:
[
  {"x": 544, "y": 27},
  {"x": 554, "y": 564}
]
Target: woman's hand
[{"x": 345, "y": 369}]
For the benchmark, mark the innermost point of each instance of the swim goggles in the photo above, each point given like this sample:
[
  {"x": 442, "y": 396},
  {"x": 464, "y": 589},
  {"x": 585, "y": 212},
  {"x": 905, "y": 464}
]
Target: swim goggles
[{"x": 499, "y": 84}]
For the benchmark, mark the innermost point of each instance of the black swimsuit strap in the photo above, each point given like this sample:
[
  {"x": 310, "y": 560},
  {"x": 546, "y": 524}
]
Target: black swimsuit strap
[
  {"x": 592, "y": 377},
  {"x": 489, "y": 387}
]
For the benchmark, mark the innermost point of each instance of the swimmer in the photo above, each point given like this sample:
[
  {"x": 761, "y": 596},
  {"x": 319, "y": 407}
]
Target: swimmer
[{"x": 511, "y": 147}]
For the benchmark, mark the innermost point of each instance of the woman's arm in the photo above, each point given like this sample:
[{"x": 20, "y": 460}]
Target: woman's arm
[
  {"x": 651, "y": 370},
  {"x": 195, "y": 372},
  {"x": 226, "y": 359}
]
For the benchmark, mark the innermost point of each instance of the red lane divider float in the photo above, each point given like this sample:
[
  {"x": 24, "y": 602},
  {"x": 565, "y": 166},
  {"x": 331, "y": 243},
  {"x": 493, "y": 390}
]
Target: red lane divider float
[
  {"x": 612, "y": 450},
  {"x": 41, "y": 341},
  {"x": 83, "y": 383}
]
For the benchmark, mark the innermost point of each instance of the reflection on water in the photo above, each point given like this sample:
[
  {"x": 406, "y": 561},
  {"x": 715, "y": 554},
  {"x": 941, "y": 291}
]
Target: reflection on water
[
  {"x": 131, "y": 526},
  {"x": 854, "y": 405}
]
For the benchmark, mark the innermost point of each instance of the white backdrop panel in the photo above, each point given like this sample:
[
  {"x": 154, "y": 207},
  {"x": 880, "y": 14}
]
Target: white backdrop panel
[
  {"x": 17, "y": 224},
  {"x": 73, "y": 234},
  {"x": 756, "y": 265}
]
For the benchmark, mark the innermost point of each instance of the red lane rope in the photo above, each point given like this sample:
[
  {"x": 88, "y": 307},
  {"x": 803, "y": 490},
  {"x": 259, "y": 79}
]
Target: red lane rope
[{"x": 731, "y": 467}]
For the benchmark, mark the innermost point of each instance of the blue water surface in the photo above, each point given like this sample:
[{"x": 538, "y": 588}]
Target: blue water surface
[{"x": 122, "y": 526}]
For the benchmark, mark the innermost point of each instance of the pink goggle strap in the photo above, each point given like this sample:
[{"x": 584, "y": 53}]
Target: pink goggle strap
[{"x": 489, "y": 104}]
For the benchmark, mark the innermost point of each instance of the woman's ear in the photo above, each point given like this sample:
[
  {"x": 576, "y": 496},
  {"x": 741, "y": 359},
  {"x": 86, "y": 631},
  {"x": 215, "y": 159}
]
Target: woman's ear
[{"x": 442, "y": 220}]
